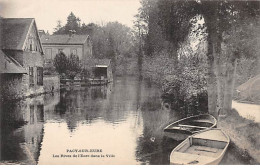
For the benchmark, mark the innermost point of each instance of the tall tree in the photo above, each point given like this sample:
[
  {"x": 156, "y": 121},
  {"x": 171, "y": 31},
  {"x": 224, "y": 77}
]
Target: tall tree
[
  {"x": 219, "y": 17},
  {"x": 239, "y": 42},
  {"x": 88, "y": 29},
  {"x": 73, "y": 23},
  {"x": 59, "y": 29},
  {"x": 175, "y": 18}
]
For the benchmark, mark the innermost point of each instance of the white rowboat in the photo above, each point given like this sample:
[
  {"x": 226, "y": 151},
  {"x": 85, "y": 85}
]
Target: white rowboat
[{"x": 204, "y": 148}]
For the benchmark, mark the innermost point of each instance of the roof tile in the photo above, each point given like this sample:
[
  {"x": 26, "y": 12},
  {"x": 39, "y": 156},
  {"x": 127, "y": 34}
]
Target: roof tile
[
  {"x": 63, "y": 39},
  {"x": 98, "y": 62},
  {"x": 14, "y": 32},
  {"x": 9, "y": 65}
]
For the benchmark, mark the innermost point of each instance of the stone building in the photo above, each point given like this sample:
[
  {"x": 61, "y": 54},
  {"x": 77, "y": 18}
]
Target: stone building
[
  {"x": 79, "y": 45},
  {"x": 21, "y": 56}
]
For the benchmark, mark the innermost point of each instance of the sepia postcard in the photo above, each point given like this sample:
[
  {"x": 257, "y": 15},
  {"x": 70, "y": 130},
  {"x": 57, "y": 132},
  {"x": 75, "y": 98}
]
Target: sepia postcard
[{"x": 129, "y": 82}]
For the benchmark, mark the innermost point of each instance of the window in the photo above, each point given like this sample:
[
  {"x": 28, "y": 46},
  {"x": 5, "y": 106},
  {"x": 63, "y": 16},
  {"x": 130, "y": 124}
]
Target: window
[
  {"x": 40, "y": 112},
  {"x": 40, "y": 76},
  {"x": 31, "y": 47},
  {"x": 74, "y": 51},
  {"x": 48, "y": 53},
  {"x": 31, "y": 79},
  {"x": 31, "y": 114}
]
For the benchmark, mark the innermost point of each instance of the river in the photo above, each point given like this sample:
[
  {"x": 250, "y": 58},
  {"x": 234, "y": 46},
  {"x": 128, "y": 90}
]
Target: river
[{"x": 121, "y": 123}]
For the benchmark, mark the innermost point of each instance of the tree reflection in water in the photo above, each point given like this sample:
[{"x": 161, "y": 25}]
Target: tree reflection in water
[{"x": 125, "y": 118}]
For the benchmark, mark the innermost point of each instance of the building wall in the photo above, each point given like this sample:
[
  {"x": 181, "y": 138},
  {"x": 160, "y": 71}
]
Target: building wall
[
  {"x": 32, "y": 42},
  {"x": 18, "y": 85},
  {"x": 67, "y": 49},
  {"x": 32, "y": 59},
  {"x": 87, "y": 51}
]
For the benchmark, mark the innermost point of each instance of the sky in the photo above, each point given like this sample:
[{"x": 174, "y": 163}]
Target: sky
[{"x": 48, "y": 12}]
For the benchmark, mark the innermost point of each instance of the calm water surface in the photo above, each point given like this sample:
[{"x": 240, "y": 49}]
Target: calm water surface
[{"x": 124, "y": 119}]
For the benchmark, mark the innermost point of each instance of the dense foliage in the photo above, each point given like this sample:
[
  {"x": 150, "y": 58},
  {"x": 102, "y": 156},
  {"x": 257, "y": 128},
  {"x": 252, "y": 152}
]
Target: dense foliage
[
  {"x": 179, "y": 32},
  {"x": 67, "y": 66},
  {"x": 60, "y": 63}
]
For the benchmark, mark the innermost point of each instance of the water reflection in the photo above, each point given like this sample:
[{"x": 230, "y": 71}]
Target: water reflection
[
  {"x": 22, "y": 130},
  {"x": 124, "y": 119}
]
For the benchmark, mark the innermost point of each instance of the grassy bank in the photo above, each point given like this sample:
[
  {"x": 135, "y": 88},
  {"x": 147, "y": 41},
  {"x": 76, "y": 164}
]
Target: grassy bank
[{"x": 243, "y": 133}]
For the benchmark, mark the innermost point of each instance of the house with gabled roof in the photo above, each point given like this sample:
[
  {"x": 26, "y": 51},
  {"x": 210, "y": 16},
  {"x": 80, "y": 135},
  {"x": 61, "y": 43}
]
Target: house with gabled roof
[
  {"x": 21, "y": 56},
  {"x": 79, "y": 45}
]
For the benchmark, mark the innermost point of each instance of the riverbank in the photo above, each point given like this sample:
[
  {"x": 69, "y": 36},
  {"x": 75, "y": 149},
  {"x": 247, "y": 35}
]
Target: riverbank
[
  {"x": 51, "y": 84},
  {"x": 242, "y": 127},
  {"x": 244, "y": 135}
]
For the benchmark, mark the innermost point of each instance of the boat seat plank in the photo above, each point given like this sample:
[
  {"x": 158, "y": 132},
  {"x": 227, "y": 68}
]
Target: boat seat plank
[
  {"x": 212, "y": 135},
  {"x": 201, "y": 120},
  {"x": 206, "y": 149},
  {"x": 203, "y": 150},
  {"x": 188, "y": 158},
  {"x": 180, "y": 128},
  {"x": 209, "y": 143},
  {"x": 191, "y": 126}
]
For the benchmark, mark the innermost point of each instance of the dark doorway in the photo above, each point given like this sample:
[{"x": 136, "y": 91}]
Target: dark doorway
[{"x": 100, "y": 71}]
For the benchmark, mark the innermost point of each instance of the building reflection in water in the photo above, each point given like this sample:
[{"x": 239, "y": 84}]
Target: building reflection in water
[
  {"x": 22, "y": 130},
  {"x": 80, "y": 104}
]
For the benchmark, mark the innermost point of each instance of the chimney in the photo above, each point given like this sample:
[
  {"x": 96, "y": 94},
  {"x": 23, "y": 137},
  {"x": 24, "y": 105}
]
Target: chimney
[
  {"x": 41, "y": 32},
  {"x": 72, "y": 32}
]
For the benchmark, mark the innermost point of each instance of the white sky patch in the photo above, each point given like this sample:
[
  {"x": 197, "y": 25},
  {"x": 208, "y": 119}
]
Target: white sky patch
[
  {"x": 196, "y": 39},
  {"x": 48, "y": 12}
]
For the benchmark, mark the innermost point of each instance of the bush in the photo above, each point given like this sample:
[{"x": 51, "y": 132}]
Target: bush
[
  {"x": 73, "y": 66},
  {"x": 184, "y": 87},
  {"x": 69, "y": 67},
  {"x": 60, "y": 63}
]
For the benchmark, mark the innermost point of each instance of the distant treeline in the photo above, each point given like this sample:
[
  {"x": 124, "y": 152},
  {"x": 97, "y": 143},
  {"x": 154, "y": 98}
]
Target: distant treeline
[{"x": 109, "y": 41}]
